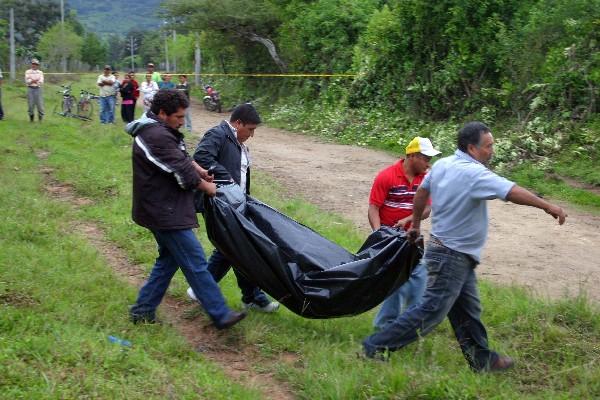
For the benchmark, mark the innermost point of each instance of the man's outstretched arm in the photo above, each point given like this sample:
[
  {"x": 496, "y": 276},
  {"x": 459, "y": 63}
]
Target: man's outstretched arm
[{"x": 519, "y": 195}]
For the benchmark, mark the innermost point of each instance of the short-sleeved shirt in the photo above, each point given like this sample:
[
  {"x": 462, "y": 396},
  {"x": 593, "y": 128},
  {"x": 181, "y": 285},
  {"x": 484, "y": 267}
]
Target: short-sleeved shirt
[
  {"x": 459, "y": 186},
  {"x": 394, "y": 194},
  {"x": 166, "y": 85},
  {"x": 107, "y": 90}
]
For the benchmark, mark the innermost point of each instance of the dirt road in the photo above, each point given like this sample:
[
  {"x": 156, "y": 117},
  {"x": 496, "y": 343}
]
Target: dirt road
[{"x": 525, "y": 246}]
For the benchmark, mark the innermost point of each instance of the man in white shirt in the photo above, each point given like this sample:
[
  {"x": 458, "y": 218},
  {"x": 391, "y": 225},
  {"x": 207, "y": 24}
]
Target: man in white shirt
[
  {"x": 223, "y": 148},
  {"x": 106, "y": 82},
  {"x": 148, "y": 90},
  {"x": 34, "y": 79}
]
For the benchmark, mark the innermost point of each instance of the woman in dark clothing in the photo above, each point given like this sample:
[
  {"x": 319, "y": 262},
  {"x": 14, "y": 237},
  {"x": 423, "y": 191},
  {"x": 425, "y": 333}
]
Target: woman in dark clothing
[{"x": 129, "y": 93}]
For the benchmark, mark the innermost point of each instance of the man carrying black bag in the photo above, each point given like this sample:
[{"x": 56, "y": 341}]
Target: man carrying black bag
[{"x": 222, "y": 149}]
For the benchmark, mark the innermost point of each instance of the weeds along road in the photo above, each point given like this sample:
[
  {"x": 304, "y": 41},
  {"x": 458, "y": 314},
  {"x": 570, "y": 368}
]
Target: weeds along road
[{"x": 525, "y": 247}]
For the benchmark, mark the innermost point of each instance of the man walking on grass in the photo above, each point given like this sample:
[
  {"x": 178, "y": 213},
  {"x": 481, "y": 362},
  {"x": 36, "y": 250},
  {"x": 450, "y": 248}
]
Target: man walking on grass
[
  {"x": 223, "y": 147},
  {"x": 391, "y": 204},
  {"x": 165, "y": 179},
  {"x": 459, "y": 187}
]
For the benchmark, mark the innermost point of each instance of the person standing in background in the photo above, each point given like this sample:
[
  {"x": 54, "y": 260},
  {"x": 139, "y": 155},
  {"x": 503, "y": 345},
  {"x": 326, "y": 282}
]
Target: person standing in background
[
  {"x": 116, "y": 88},
  {"x": 184, "y": 87},
  {"x": 106, "y": 83},
  {"x": 34, "y": 79},
  {"x": 155, "y": 75},
  {"x": 166, "y": 82},
  {"x": 148, "y": 89},
  {"x": 129, "y": 93}
]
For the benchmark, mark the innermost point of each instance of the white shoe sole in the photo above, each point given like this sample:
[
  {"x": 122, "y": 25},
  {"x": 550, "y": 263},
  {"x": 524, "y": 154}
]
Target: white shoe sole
[{"x": 191, "y": 294}]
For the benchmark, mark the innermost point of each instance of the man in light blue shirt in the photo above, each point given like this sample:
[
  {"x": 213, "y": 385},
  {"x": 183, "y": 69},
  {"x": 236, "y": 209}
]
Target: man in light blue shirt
[{"x": 459, "y": 186}]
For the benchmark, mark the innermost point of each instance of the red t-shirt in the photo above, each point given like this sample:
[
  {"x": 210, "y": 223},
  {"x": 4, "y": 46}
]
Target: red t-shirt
[{"x": 394, "y": 194}]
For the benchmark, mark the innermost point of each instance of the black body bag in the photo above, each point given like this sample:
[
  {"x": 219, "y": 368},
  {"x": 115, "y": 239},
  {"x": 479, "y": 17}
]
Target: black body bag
[{"x": 309, "y": 274}]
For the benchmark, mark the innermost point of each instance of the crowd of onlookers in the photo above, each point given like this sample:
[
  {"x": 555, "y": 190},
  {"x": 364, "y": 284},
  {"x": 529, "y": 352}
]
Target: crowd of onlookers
[
  {"x": 112, "y": 91},
  {"x": 130, "y": 90}
]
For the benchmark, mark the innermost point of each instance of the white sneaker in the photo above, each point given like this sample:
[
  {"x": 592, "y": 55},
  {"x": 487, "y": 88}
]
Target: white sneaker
[
  {"x": 271, "y": 307},
  {"x": 191, "y": 294}
]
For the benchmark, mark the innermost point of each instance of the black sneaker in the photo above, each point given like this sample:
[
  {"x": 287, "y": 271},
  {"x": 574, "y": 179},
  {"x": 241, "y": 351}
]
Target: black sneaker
[
  {"x": 230, "y": 320},
  {"x": 142, "y": 318}
]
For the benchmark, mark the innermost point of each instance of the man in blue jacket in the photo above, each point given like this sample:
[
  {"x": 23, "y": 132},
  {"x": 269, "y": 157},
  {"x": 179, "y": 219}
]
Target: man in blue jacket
[
  {"x": 223, "y": 149},
  {"x": 165, "y": 179}
]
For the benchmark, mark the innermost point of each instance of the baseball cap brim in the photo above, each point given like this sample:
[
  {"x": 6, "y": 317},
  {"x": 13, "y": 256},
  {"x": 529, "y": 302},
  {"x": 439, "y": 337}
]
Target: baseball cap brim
[{"x": 431, "y": 152}]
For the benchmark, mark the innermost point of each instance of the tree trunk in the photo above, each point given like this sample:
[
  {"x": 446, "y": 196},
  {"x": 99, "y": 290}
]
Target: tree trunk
[{"x": 268, "y": 43}]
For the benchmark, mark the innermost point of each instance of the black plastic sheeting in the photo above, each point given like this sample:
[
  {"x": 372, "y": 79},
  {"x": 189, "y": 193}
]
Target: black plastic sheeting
[{"x": 309, "y": 274}]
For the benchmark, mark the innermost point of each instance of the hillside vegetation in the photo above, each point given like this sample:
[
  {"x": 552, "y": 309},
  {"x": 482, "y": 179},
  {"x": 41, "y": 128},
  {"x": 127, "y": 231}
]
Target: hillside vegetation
[{"x": 530, "y": 69}]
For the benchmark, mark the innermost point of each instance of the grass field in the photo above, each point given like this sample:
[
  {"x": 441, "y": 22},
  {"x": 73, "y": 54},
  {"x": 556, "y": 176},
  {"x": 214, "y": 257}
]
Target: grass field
[{"x": 59, "y": 301}]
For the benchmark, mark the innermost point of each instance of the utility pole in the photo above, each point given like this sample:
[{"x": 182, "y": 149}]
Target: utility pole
[
  {"x": 132, "y": 48},
  {"x": 167, "y": 53},
  {"x": 197, "y": 61},
  {"x": 62, "y": 31},
  {"x": 12, "y": 73},
  {"x": 174, "y": 52}
]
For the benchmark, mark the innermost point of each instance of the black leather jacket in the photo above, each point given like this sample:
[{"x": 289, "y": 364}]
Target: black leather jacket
[{"x": 220, "y": 149}]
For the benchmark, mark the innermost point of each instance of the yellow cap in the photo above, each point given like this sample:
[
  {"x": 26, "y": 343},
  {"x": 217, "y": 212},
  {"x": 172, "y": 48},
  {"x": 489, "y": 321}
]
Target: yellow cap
[{"x": 423, "y": 146}]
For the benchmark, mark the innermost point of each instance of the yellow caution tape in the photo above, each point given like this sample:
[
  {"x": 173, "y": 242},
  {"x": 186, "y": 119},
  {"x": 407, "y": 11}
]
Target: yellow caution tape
[{"x": 232, "y": 74}]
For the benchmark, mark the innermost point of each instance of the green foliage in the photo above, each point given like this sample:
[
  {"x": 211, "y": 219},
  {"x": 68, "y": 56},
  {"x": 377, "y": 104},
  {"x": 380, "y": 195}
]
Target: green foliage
[
  {"x": 58, "y": 42},
  {"x": 32, "y": 19},
  {"x": 93, "y": 50},
  {"x": 320, "y": 36},
  {"x": 432, "y": 58}
]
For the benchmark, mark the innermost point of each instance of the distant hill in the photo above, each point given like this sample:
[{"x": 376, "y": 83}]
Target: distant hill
[{"x": 117, "y": 16}]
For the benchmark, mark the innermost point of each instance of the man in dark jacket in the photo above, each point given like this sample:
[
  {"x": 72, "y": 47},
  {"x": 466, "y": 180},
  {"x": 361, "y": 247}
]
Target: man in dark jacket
[
  {"x": 164, "y": 181},
  {"x": 223, "y": 149}
]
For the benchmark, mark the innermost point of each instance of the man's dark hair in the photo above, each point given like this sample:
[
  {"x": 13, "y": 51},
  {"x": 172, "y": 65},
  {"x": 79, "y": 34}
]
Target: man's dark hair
[
  {"x": 471, "y": 134},
  {"x": 169, "y": 100},
  {"x": 246, "y": 113}
]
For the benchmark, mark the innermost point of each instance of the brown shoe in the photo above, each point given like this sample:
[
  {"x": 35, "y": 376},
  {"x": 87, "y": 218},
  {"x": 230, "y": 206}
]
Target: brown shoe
[{"x": 502, "y": 363}]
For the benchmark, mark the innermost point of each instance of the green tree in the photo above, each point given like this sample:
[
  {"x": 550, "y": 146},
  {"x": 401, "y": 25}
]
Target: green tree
[
  {"x": 240, "y": 22},
  {"x": 32, "y": 19},
  {"x": 151, "y": 48},
  {"x": 58, "y": 42},
  {"x": 321, "y": 35},
  {"x": 437, "y": 57},
  {"x": 93, "y": 50}
]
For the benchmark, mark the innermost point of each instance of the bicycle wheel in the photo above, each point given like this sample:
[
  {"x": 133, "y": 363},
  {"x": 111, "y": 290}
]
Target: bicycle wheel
[
  {"x": 85, "y": 109},
  {"x": 58, "y": 109},
  {"x": 68, "y": 104}
]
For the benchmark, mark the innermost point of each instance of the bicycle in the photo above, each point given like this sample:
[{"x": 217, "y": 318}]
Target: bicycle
[
  {"x": 83, "y": 107},
  {"x": 68, "y": 101}
]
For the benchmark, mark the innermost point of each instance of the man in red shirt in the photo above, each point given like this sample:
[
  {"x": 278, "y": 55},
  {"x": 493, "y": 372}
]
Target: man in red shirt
[{"x": 391, "y": 204}]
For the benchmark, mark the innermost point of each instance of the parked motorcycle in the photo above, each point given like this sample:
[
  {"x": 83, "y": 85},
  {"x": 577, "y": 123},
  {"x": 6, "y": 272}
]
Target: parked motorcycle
[{"x": 212, "y": 100}]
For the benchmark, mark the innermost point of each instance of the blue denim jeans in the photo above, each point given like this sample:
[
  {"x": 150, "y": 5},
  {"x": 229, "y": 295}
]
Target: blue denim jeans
[
  {"x": 410, "y": 293},
  {"x": 180, "y": 249},
  {"x": 107, "y": 109},
  {"x": 219, "y": 265},
  {"x": 451, "y": 291}
]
